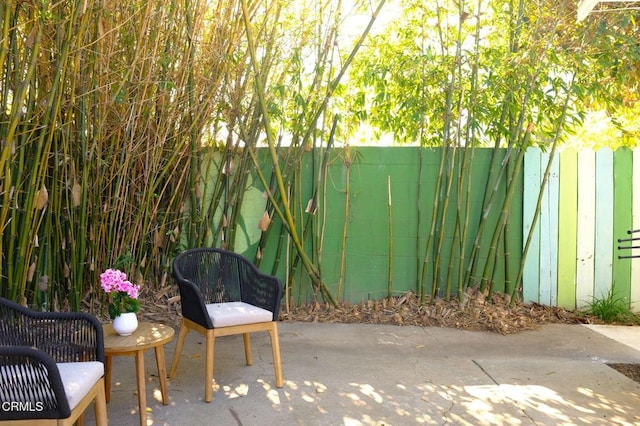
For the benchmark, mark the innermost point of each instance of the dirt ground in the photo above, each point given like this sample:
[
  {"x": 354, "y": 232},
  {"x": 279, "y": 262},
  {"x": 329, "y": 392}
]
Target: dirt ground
[{"x": 473, "y": 312}]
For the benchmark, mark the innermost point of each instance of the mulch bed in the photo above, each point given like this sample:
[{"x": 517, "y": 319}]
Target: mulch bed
[
  {"x": 473, "y": 312},
  {"x": 632, "y": 371}
]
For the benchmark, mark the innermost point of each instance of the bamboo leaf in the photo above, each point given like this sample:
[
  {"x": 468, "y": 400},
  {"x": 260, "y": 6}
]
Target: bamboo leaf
[
  {"x": 41, "y": 198},
  {"x": 157, "y": 239},
  {"x": 311, "y": 207},
  {"x": 31, "y": 272},
  {"x": 76, "y": 193},
  {"x": 265, "y": 220}
]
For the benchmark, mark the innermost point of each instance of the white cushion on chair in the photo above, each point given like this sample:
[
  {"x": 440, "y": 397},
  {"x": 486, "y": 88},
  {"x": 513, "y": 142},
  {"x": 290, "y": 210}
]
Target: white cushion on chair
[
  {"x": 236, "y": 313},
  {"x": 78, "y": 378}
]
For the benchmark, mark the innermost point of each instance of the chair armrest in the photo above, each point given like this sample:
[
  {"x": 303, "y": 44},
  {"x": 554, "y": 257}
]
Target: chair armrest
[
  {"x": 192, "y": 302},
  {"x": 65, "y": 336},
  {"x": 261, "y": 290},
  {"x": 30, "y": 385}
]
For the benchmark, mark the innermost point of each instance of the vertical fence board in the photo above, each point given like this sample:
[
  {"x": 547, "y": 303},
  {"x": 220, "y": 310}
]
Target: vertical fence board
[
  {"x": 568, "y": 217},
  {"x": 586, "y": 228},
  {"x": 635, "y": 199},
  {"x": 549, "y": 234},
  {"x": 622, "y": 219},
  {"x": 531, "y": 272},
  {"x": 603, "y": 256}
]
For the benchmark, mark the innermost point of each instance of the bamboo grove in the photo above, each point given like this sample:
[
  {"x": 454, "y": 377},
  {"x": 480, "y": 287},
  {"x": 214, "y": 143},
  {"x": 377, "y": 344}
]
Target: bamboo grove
[{"x": 111, "y": 112}]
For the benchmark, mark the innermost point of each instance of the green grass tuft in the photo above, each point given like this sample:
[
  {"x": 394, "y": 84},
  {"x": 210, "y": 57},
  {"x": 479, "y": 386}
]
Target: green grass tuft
[{"x": 613, "y": 309}]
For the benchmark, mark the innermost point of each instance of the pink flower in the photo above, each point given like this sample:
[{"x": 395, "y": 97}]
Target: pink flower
[
  {"x": 122, "y": 293},
  {"x": 132, "y": 291},
  {"x": 115, "y": 281}
]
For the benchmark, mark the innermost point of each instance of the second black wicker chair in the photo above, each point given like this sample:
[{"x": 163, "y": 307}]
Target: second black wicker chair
[
  {"x": 51, "y": 366},
  {"x": 222, "y": 294}
]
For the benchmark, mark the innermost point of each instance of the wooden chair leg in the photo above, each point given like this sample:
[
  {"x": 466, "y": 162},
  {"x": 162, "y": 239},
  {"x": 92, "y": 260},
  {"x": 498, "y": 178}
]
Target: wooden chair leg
[
  {"x": 100, "y": 406},
  {"x": 182, "y": 334},
  {"x": 208, "y": 374},
  {"x": 247, "y": 348},
  {"x": 275, "y": 349},
  {"x": 107, "y": 377}
]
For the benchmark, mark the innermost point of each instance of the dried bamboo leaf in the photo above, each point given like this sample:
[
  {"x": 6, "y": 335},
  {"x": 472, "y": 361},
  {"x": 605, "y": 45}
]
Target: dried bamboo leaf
[
  {"x": 31, "y": 272},
  {"x": 228, "y": 167},
  {"x": 30, "y": 38},
  {"x": 265, "y": 220},
  {"x": 76, "y": 192},
  {"x": 162, "y": 292},
  {"x": 311, "y": 207},
  {"x": 43, "y": 283},
  {"x": 42, "y": 198},
  {"x": 157, "y": 239}
]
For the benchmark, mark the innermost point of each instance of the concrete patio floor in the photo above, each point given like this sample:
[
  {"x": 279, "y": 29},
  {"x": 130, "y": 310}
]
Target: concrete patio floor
[{"x": 356, "y": 374}]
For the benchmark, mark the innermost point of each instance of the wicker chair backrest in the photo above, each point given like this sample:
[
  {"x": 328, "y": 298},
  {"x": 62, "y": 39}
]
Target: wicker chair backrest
[
  {"x": 64, "y": 336},
  {"x": 213, "y": 275}
]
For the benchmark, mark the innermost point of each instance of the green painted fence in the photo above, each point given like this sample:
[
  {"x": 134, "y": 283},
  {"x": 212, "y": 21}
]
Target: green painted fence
[
  {"x": 363, "y": 267},
  {"x": 589, "y": 203}
]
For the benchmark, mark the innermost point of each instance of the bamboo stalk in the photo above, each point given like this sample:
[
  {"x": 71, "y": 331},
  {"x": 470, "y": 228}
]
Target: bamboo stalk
[
  {"x": 343, "y": 244},
  {"x": 518, "y": 282},
  {"x": 390, "y": 214},
  {"x": 504, "y": 215},
  {"x": 279, "y": 180},
  {"x": 465, "y": 174}
]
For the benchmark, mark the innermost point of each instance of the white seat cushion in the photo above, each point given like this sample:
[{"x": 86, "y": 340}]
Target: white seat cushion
[
  {"x": 236, "y": 313},
  {"x": 78, "y": 378}
]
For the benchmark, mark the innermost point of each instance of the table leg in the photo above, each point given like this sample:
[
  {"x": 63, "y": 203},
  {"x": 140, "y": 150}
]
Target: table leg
[
  {"x": 162, "y": 373},
  {"x": 107, "y": 378},
  {"x": 142, "y": 393}
]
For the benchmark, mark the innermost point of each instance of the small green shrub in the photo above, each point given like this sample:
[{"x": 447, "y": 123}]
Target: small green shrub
[{"x": 612, "y": 309}]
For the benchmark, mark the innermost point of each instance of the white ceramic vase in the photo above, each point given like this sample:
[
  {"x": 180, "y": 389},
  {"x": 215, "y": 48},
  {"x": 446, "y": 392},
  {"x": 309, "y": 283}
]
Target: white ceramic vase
[{"x": 125, "y": 324}]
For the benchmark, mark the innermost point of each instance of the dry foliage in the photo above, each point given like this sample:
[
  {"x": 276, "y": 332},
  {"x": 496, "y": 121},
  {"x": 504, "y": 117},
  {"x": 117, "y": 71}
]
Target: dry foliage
[
  {"x": 632, "y": 371},
  {"x": 473, "y": 313}
]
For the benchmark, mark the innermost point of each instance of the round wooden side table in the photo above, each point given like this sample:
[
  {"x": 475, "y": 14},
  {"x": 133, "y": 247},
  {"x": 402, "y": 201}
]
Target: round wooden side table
[{"x": 147, "y": 336}]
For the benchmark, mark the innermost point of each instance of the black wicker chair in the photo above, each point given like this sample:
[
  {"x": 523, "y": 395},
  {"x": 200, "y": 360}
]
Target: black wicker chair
[
  {"x": 51, "y": 366},
  {"x": 222, "y": 293}
]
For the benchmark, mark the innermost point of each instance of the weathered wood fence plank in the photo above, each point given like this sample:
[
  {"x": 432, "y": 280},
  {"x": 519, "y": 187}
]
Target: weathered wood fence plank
[
  {"x": 568, "y": 229},
  {"x": 590, "y": 201}
]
